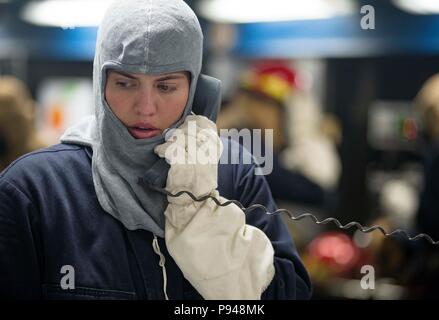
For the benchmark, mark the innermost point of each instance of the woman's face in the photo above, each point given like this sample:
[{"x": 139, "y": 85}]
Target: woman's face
[{"x": 147, "y": 104}]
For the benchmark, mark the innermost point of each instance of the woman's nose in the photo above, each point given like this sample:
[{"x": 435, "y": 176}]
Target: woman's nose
[{"x": 147, "y": 102}]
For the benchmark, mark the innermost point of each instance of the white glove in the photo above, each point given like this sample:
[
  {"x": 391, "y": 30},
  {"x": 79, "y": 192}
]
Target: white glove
[
  {"x": 192, "y": 167},
  {"x": 221, "y": 256}
]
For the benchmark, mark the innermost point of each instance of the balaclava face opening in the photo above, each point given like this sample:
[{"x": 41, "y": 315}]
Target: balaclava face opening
[
  {"x": 150, "y": 37},
  {"x": 136, "y": 36}
]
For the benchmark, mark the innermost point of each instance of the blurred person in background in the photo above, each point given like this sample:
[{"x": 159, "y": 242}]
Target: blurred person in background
[
  {"x": 17, "y": 133},
  {"x": 427, "y": 105},
  {"x": 306, "y": 166},
  {"x": 414, "y": 265},
  {"x": 425, "y": 283}
]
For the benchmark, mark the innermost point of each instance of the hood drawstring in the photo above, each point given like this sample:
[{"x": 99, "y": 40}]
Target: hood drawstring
[{"x": 156, "y": 247}]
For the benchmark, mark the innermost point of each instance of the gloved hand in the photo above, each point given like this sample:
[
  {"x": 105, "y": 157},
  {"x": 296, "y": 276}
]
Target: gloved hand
[
  {"x": 193, "y": 150},
  {"x": 219, "y": 254}
]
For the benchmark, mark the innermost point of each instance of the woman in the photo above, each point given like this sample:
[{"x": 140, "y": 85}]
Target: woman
[{"x": 82, "y": 220}]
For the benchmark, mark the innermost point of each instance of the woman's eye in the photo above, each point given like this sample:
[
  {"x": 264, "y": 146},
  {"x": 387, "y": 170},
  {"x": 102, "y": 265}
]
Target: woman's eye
[
  {"x": 124, "y": 84},
  {"x": 166, "y": 87}
]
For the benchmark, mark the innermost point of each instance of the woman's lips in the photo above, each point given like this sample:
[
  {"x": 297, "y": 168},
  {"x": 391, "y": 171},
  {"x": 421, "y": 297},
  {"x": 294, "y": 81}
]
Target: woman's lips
[{"x": 140, "y": 133}]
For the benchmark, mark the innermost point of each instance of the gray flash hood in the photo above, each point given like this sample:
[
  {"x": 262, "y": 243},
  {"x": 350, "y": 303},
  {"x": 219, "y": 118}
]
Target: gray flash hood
[{"x": 149, "y": 37}]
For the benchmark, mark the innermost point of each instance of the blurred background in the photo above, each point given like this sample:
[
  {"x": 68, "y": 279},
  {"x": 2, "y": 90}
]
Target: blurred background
[{"x": 349, "y": 87}]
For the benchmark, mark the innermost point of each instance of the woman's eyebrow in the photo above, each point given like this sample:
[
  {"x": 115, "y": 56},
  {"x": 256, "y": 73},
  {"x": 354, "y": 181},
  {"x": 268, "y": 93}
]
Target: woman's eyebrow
[
  {"x": 125, "y": 74},
  {"x": 171, "y": 77}
]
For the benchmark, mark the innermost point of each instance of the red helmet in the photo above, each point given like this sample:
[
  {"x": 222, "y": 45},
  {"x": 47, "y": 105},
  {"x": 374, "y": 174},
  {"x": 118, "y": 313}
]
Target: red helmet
[{"x": 274, "y": 79}]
